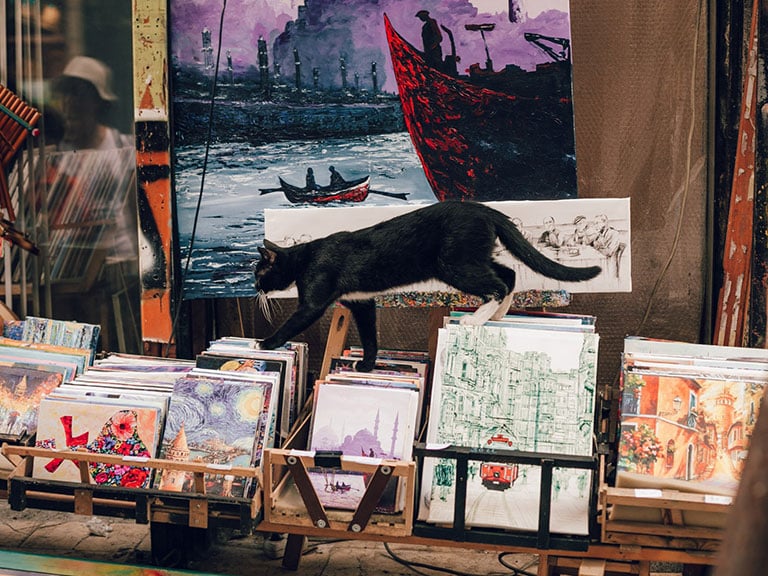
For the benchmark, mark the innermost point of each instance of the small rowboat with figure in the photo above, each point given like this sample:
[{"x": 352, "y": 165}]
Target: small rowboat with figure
[{"x": 347, "y": 191}]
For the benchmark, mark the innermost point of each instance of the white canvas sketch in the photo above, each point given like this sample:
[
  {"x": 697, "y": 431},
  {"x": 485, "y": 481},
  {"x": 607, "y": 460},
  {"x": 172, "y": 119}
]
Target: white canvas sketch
[
  {"x": 512, "y": 388},
  {"x": 583, "y": 232}
]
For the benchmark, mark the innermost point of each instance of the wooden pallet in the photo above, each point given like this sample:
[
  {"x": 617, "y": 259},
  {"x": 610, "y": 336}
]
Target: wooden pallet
[
  {"x": 291, "y": 502},
  {"x": 665, "y": 518},
  {"x": 194, "y": 509}
]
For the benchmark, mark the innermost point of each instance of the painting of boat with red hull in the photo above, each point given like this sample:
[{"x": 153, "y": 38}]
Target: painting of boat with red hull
[
  {"x": 490, "y": 135},
  {"x": 353, "y": 191}
]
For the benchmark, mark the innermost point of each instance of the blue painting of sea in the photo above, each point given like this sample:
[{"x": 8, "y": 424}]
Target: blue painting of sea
[{"x": 229, "y": 226}]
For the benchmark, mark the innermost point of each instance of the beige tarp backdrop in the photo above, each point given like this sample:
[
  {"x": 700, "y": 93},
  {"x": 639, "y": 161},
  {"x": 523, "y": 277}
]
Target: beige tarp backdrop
[{"x": 640, "y": 93}]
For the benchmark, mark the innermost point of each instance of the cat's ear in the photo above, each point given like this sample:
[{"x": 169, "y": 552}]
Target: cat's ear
[
  {"x": 269, "y": 251},
  {"x": 269, "y": 245}
]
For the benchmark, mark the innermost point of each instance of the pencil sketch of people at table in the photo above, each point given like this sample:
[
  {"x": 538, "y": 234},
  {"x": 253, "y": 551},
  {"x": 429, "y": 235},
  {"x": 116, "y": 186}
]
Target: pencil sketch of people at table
[
  {"x": 583, "y": 233},
  {"x": 608, "y": 240},
  {"x": 519, "y": 225},
  {"x": 551, "y": 237}
]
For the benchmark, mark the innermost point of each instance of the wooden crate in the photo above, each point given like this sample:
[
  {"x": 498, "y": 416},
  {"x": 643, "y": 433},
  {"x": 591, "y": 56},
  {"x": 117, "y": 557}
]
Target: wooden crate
[
  {"x": 291, "y": 503},
  {"x": 662, "y": 518},
  {"x": 194, "y": 509}
]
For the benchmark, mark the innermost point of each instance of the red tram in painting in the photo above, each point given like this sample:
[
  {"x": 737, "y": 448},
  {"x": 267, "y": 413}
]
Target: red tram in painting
[
  {"x": 495, "y": 476},
  {"x": 498, "y": 476}
]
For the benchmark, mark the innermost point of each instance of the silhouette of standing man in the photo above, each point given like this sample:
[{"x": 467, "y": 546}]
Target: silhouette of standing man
[{"x": 431, "y": 38}]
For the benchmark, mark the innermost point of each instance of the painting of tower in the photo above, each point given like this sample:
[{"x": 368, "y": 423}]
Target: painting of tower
[
  {"x": 173, "y": 480},
  {"x": 217, "y": 420}
]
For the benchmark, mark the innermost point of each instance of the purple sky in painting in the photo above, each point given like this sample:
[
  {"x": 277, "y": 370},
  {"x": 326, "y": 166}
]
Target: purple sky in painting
[{"x": 246, "y": 20}]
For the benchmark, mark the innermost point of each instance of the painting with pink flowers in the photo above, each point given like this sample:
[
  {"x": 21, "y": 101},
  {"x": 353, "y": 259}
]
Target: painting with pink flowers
[{"x": 98, "y": 427}]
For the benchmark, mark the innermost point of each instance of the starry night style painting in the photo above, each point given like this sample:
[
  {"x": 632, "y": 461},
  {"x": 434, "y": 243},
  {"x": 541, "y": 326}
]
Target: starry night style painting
[{"x": 359, "y": 102}]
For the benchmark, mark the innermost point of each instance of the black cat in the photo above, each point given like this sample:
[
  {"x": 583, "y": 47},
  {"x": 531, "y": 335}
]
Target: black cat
[{"x": 453, "y": 242}]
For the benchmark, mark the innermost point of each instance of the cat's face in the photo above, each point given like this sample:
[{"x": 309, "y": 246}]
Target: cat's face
[{"x": 269, "y": 274}]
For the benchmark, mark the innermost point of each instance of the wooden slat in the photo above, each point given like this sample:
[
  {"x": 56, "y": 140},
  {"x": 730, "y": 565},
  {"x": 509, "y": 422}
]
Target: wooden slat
[{"x": 734, "y": 293}]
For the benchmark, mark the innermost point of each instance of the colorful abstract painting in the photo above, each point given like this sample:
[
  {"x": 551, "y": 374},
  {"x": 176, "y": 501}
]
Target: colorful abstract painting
[
  {"x": 512, "y": 387},
  {"x": 374, "y": 102},
  {"x": 102, "y": 427},
  {"x": 214, "y": 421}
]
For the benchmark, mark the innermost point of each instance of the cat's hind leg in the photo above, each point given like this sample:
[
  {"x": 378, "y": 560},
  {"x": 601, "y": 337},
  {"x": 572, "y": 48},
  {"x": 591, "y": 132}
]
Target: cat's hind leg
[
  {"x": 508, "y": 277},
  {"x": 482, "y": 281},
  {"x": 483, "y": 313}
]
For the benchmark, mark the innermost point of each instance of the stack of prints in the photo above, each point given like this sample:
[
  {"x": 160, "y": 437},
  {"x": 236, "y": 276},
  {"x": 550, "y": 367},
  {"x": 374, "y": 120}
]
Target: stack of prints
[
  {"x": 525, "y": 383},
  {"x": 369, "y": 416},
  {"x": 687, "y": 413}
]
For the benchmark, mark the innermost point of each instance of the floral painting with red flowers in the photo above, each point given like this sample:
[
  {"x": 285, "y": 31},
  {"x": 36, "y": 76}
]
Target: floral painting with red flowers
[
  {"x": 102, "y": 428},
  {"x": 120, "y": 435}
]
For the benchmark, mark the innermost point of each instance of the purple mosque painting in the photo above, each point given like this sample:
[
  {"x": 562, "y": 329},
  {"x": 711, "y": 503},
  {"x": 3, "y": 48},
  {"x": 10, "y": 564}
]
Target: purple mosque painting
[{"x": 365, "y": 422}]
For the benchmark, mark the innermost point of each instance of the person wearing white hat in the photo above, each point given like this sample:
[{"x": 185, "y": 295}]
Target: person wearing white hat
[
  {"x": 92, "y": 194},
  {"x": 86, "y": 98}
]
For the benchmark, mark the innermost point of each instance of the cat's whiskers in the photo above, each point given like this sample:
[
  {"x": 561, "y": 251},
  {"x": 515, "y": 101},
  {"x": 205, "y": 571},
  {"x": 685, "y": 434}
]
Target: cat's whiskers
[{"x": 265, "y": 305}]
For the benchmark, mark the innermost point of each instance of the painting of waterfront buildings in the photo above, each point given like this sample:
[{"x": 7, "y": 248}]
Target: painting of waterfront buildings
[
  {"x": 364, "y": 421},
  {"x": 514, "y": 387},
  {"x": 688, "y": 428}
]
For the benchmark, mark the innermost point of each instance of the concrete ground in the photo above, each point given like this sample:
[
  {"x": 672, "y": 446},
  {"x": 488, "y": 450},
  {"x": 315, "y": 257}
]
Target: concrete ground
[{"x": 125, "y": 542}]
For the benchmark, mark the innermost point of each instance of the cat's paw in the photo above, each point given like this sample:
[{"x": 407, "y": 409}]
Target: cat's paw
[
  {"x": 257, "y": 345},
  {"x": 365, "y": 365},
  {"x": 470, "y": 320},
  {"x": 269, "y": 344}
]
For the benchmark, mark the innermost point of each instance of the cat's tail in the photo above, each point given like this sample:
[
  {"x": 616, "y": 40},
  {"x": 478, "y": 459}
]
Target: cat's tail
[{"x": 527, "y": 253}]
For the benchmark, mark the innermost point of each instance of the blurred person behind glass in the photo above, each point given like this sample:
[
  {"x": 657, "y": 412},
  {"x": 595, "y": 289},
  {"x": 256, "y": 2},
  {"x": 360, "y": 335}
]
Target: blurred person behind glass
[{"x": 92, "y": 196}]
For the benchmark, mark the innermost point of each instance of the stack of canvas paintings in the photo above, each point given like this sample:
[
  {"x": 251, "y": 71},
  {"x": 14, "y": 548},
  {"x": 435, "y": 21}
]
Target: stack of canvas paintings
[
  {"x": 142, "y": 407},
  {"x": 69, "y": 361},
  {"x": 687, "y": 413},
  {"x": 33, "y": 365},
  {"x": 369, "y": 416},
  {"x": 61, "y": 333},
  {"x": 222, "y": 419},
  {"x": 235, "y": 354},
  {"x": 526, "y": 383},
  {"x": 114, "y": 407}
]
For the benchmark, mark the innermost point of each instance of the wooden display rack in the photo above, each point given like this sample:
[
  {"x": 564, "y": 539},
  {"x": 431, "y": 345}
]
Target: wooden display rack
[
  {"x": 12, "y": 460},
  {"x": 600, "y": 554},
  {"x": 540, "y": 539},
  {"x": 292, "y": 501},
  {"x": 176, "y": 518}
]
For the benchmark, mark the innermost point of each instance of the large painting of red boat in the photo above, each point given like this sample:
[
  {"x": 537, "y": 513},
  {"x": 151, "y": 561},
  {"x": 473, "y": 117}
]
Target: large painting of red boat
[
  {"x": 489, "y": 134},
  {"x": 331, "y": 103}
]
